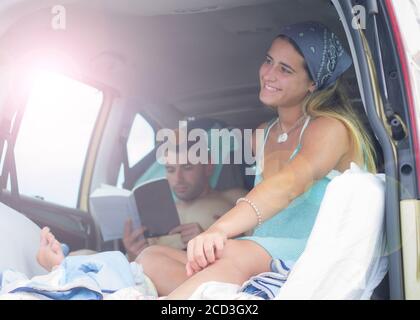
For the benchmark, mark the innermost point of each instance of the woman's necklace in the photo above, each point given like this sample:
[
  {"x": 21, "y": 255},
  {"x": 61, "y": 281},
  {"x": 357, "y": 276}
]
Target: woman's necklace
[{"x": 283, "y": 136}]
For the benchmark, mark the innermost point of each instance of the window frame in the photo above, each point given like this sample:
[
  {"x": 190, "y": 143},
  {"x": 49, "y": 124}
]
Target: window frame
[
  {"x": 106, "y": 92},
  {"x": 95, "y": 140}
]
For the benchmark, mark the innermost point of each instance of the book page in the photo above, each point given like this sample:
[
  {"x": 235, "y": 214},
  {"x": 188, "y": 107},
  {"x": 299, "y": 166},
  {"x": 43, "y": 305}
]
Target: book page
[{"x": 111, "y": 207}]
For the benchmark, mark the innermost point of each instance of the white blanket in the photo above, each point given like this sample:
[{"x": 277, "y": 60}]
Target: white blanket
[{"x": 344, "y": 255}]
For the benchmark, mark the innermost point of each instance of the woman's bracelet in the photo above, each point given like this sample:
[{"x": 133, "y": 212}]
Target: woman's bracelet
[{"x": 252, "y": 204}]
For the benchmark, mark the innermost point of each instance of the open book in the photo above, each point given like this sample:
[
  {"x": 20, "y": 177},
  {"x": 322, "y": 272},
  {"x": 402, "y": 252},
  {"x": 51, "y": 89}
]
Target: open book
[{"x": 150, "y": 204}]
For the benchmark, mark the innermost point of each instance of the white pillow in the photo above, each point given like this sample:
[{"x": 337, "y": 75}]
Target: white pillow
[
  {"x": 19, "y": 242},
  {"x": 343, "y": 258}
]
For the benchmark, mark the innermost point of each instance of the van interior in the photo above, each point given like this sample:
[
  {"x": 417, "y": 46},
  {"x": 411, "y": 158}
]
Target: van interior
[{"x": 164, "y": 61}]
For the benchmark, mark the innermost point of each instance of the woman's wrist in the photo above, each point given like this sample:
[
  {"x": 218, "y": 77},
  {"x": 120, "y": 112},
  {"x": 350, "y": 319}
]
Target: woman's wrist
[
  {"x": 254, "y": 207},
  {"x": 218, "y": 228}
]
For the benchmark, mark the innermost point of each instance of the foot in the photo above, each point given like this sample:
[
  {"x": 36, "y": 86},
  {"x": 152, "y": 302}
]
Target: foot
[{"x": 50, "y": 253}]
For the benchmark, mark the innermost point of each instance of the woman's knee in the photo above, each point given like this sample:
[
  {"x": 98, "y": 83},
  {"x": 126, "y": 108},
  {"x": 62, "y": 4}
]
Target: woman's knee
[
  {"x": 150, "y": 254},
  {"x": 231, "y": 248},
  {"x": 155, "y": 255},
  {"x": 246, "y": 256}
]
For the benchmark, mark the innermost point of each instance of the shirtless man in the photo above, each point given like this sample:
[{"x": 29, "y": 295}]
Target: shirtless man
[{"x": 199, "y": 206}]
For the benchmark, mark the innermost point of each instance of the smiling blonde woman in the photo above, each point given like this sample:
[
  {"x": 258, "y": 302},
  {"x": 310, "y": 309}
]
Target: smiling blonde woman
[{"x": 314, "y": 138}]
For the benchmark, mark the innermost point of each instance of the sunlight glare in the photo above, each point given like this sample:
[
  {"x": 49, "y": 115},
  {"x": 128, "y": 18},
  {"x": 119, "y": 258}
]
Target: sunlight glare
[{"x": 54, "y": 136}]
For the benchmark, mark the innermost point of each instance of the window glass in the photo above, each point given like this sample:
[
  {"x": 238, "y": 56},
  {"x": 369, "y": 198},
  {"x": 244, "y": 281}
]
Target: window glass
[
  {"x": 120, "y": 179},
  {"x": 408, "y": 16},
  {"x": 141, "y": 140},
  {"x": 54, "y": 137}
]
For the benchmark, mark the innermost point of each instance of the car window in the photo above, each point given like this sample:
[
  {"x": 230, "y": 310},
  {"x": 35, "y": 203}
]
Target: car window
[
  {"x": 408, "y": 15},
  {"x": 54, "y": 136},
  {"x": 141, "y": 140}
]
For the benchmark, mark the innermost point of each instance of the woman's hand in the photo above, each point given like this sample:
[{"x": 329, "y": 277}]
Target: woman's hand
[
  {"x": 187, "y": 231},
  {"x": 204, "y": 249}
]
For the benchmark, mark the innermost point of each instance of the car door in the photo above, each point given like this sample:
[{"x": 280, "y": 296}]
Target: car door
[
  {"x": 402, "y": 21},
  {"x": 376, "y": 37},
  {"x": 49, "y": 153}
]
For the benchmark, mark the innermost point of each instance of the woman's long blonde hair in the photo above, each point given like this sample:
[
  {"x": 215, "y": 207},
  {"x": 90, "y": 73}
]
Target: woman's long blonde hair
[{"x": 334, "y": 102}]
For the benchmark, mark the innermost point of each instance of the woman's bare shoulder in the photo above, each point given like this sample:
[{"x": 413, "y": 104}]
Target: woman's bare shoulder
[
  {"x": 326, "y": 135},
  {"x": 323, "y": 125}
]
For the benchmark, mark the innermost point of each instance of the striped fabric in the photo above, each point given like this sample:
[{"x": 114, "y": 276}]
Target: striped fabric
[{"x": 267, "y": 285}]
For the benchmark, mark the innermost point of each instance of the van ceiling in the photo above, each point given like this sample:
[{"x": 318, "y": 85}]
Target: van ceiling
[
  {"x": 165, "y": 7},
  {"x": 175, "y": 52},
  {"x": 135, "y": 7}
]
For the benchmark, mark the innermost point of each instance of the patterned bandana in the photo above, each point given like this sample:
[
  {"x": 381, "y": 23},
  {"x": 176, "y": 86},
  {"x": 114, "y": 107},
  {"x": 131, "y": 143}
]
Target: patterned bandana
[{"x": 322, "y": 50}]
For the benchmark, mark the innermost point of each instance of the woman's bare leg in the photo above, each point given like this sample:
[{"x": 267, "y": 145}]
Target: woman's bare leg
[
  {"x": 241, "y": 259},
  {"x": 165, "y": 266}
]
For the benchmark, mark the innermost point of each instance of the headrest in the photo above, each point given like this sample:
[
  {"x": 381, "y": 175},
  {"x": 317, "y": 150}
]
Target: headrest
[{"x": 157, "y": 170}]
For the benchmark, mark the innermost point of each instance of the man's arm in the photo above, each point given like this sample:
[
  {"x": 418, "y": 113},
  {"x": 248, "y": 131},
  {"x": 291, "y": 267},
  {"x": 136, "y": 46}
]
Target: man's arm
[{"x": 133, "y": 240}]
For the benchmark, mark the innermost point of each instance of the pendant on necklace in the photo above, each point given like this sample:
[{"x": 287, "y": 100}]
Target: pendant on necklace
[{"x": 282, "y": 138}]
